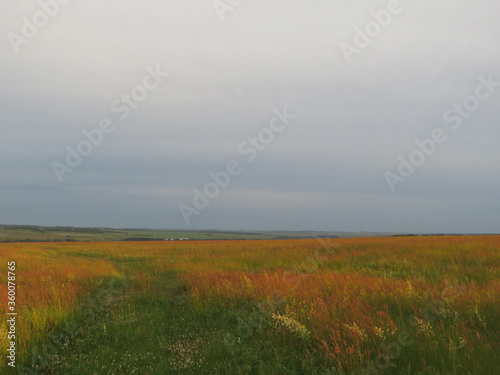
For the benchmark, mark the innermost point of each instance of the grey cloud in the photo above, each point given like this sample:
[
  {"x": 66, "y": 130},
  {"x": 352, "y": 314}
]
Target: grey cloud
[{"x": 325, "y": 171}]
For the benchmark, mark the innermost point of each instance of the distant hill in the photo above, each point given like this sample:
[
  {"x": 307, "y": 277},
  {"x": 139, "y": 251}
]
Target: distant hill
[{"x": 35, "y": 233}]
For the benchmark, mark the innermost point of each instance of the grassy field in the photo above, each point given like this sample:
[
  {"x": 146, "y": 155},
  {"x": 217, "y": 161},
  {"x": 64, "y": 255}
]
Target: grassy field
[
  {"x": 31, "y": 233},
  {"x": 69, "y": 234},
  {"x": 399, "y": 305},
  {"x": 27, "y": 233}
]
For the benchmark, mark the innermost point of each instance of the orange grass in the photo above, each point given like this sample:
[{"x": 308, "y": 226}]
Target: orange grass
[
  {"x": 351, "y": 295},
  {"x": 48, "y": 286},
  {"x": 362, "y": 293}
]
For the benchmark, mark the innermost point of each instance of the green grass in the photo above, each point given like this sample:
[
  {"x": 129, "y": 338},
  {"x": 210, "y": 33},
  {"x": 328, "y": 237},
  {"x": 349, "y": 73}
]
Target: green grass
[
  {"x": 165, "y": 333},
  {"x": 148, "y": 319}
]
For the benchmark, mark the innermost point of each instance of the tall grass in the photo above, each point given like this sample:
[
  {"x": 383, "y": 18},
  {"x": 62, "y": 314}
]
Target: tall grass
[
  {"x": 49, "y": 285},
  {"x": 439, "y": 296},
  {"x": 399, "y": 305}
]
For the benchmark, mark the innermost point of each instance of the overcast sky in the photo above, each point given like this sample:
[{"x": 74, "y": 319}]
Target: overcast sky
[{"x": 356, "y": 113}]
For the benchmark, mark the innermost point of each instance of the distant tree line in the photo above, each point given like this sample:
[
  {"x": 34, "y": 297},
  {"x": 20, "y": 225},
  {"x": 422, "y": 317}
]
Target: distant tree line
[{"x": 42, "y": 240}]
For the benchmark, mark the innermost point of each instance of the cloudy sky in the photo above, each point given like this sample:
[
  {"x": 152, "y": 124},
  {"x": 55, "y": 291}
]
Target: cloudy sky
[{"x": 179, "y": 86}]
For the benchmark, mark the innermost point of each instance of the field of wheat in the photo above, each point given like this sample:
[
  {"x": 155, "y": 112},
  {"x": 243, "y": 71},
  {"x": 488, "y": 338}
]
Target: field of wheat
[{"x": 397, "y": 305}]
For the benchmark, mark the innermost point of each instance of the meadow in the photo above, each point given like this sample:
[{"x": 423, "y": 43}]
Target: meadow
[
  {"x": 33, "y": 233},
  {"x": 387, "y": 305}
]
